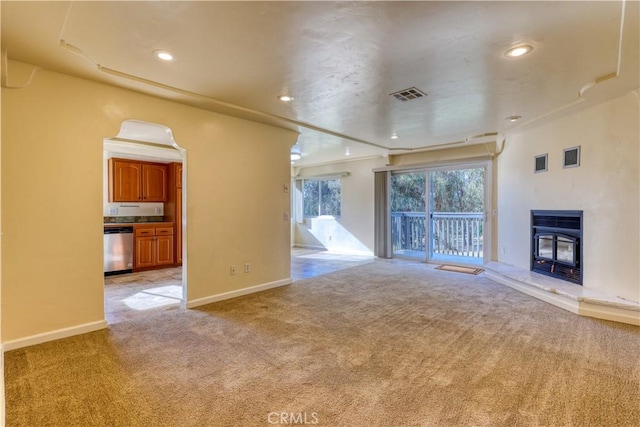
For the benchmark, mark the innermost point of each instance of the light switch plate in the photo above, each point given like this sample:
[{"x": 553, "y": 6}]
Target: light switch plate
[
  {"x": 286, "y": 216},
  {"x": 285, "y": 188}
]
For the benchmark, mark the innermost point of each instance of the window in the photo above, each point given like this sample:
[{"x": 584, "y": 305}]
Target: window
[{"x": 321, "y": 197}]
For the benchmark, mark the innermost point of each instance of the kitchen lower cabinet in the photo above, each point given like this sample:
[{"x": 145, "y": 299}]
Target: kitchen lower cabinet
[
  {"x": 145, "y": 252},
  {"x": 154, "y": 247},
  {"x": 164, "y": 250}
]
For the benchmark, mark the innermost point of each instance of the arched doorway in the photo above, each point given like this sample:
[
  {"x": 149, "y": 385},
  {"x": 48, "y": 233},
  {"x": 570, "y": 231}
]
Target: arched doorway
[{"x": 144, "y": 187}]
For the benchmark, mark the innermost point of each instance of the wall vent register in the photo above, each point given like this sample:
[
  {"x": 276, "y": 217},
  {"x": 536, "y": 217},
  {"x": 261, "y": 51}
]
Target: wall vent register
[
  {"x": 541, "y": 163},
  {"x": 571, "y": 157}
]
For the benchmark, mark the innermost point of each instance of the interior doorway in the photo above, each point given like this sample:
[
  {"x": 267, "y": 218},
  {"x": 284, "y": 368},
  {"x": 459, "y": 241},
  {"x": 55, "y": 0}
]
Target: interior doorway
[
  {"x": 156, "y": 279},
  {"x": 438, "y": 214}
]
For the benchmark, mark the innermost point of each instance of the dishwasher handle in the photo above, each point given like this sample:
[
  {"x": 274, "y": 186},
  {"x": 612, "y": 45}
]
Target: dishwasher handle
[{"x": 118, "y": 230}]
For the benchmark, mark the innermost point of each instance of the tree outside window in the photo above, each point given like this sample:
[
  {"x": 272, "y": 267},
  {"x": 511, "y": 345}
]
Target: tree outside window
[{"x": 321, "y": 197}]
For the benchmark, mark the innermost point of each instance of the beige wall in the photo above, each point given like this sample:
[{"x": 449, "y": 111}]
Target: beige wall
[
  {"x": 606, "y": 187},
  {"x": 52, "y": 137},
  {"x": 353, "y": 231}
]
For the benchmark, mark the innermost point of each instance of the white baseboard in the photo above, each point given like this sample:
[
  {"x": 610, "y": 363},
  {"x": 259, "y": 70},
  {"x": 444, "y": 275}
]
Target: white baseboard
[
  {"x": 305, "y": 246},
  {"x": 240, "y": 292},
  {"x": 54, "y": 335}
]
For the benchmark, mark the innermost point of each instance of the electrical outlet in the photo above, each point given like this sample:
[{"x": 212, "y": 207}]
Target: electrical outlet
[
  {"x": 502, "y": 250},
  {"x": 233, "y": 270},
  {"x": 247, "y": 267},
  {"x": 113, "y": 211}
]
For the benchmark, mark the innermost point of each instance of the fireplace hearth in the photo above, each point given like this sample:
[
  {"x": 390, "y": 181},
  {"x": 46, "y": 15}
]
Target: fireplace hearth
[{"x": 556, "y": 244}]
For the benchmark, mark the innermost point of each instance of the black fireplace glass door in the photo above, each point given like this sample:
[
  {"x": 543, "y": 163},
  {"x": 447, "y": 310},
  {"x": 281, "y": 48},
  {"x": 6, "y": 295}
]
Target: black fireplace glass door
[
  {"x": 565, "y": 250},
  {"x": 544, "y": 246}
]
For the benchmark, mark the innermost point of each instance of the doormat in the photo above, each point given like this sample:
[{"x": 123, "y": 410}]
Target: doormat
[{"x": 456, "y": 269}]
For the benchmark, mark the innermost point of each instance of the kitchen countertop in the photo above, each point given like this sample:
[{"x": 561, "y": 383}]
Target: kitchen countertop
[{"x": 134, "y": 224}]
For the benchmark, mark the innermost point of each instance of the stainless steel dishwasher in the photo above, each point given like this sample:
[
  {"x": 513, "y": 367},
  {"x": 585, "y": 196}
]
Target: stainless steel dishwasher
[{"x": 118, "y": 250}]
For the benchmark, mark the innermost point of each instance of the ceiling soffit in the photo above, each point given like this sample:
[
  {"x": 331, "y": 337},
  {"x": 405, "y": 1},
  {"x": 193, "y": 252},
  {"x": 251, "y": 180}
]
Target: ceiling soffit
[{"x": 342, "y": 60}]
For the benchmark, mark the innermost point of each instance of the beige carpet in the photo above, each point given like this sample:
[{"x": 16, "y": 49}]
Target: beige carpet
[{"x": 385, "y": 344}]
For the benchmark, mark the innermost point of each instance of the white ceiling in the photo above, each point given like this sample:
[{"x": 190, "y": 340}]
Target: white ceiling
[{"x": 342, "y": 60}]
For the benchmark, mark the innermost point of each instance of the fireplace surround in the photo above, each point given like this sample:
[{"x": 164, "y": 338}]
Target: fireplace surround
[{"x": 556, "y": 244}]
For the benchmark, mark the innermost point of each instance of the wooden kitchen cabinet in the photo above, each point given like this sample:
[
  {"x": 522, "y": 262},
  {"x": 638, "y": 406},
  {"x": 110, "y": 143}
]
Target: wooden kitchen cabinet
[
  {"x": 178, "y": 174},
  {"x": 164, "y": 250},
  {"x": 136, "y": 181},
  {"x": 125, "y": 181},
  {"x": 154, "y": 247},
  {"x": 173, "y": 207},
  {"x": 154, "y": 182},
  {"x": 178, "y": 226},
  {"x": 145, "y": 252}
]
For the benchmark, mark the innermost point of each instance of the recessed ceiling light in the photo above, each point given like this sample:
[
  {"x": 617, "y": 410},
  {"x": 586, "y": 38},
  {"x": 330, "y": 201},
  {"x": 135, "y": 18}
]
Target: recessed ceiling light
[
  {"x": 296, "y": 154},
  {"x": 394, "y": 136},
  {"x": 347, "y": 151},
  {"x": 164, "y": 55},
  {"x": 517, "y": 51},
  {"x": 285, "y": 98},
  {"x": 514, "y": 118}
]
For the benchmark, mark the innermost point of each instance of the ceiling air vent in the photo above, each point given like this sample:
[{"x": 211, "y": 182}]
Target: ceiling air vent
[{"x": 408, "y": 94}]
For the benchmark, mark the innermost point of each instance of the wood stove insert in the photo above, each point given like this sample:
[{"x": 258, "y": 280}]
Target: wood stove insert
[{"x": 556, "y": 244}]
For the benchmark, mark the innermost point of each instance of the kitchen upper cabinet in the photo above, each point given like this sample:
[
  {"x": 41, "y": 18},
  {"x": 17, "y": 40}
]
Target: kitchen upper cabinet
[
  {"x": 125, "y": 181},
  {"x": 136, "y": 181},
  {"x": 154, "y": 182}
]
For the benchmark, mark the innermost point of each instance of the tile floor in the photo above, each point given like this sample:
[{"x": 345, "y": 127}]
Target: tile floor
[
  {"x": 307, "y": 263},
  {"x": 130, "y": 295}
]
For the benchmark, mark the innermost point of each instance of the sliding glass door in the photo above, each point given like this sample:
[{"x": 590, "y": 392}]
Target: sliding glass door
[
  {"x": 408, "y": 214},
  {"x": 456, "y": 215},
  {"x": 437, "y": 214}
]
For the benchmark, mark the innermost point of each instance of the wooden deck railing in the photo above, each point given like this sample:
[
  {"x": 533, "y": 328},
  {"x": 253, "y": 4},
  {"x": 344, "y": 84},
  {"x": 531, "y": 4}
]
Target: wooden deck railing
[{"x": 458, "y": 234}]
